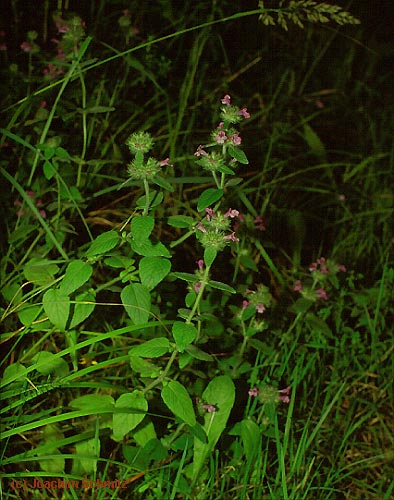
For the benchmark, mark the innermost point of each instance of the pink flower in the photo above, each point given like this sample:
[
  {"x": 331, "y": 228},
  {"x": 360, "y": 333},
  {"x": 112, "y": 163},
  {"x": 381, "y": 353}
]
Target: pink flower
[
  {"x": 221, "y": 137},
  {"x": 231, "y": 237},
  {"x": 243, "y": 112},
  {"x": 286, "y": 392},
  {"x": 201, "y": 227},
  {"x": 231, "y": 213},
  {"x": 165, "y": 163},
  {"x": 342, "y": 268},
  {"x": 197, "y": 286},
  {"x": 236, "y": 139},
  {"x": 200, "y": 152},
  {"x": 210, "y": 408},
  {"x": 226, "y": 100},
  {"x": 253, "y": 392},
  {"x": 298, "y": 286},
  {"x": 259, "y": 223},
  {"x": 26, "y": 46},
  {"x": 209, "y": 213},
  {"x": 245, "y": 304},
  {"x": 260, "y": 308},
  {"x": 200, "y": 264},
  {"x": 321, "y": 294}
]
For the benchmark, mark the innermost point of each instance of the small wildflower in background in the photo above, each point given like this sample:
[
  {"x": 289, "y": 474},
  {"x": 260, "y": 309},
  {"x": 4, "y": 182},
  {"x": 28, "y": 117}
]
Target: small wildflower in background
[
  {"x": 259, "y": 299},
  {"x": 21, "y": 212},
  {"x": 269, "y": 394}
]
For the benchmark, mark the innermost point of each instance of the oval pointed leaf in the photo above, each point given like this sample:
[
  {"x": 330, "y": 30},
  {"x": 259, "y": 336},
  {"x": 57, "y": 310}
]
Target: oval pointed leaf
[
  {"x": 177, "y": 399},
  {"x": 47, "y": 363},
  {"x": 238, "y": 154},
  {"x": 221, "y": 286},
  {"x": 209, "y": 256},
  {"x": 103, "y": 243},
  {"x": 83, "y": 308},
  {"x": 153, "y": 270},
  {"x": 130, "y": 410},
  {"x": 220, "y": 392},
  {"x": 136, "y": 300},
  {"x": 208, "y": 197},
  {"x": 154, "y": 348},
  {"x": 184, "y": 334},
  {"x": 142, "y": 226},
  {"x": 57, "y": 307},
  {"x": 77, "y": 274},
  {"x": 93, "y": 402}
]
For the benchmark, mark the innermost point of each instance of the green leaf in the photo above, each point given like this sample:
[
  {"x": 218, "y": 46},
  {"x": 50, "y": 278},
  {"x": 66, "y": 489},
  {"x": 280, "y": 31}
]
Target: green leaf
[
  {"x": 28, "y": 313},
  {"x": 77, "y": 274},
  {"x": 49, "y": 169},
  {"x": 120, "y": 262},
  {"x": 209, "y": 256},
  {"x": 94, "y": 403},
  {"x": 133, "y": 407},
  {"x": 15, "y": 372},
  {"x": 153, "y": 270},
  {"x": 190, "y": 278},
  {"x": 197, "y": 353},
  {"x": 62, "y": 153},
  {"x": 184, "y": 334},
  {"x": 136, "y": 301},
  {"x": 208, "y": 197},
  {"x": 155, "y": 198},
  {"x": 49, "y": 364},
  {"x": 148, "y": 249},
  {"x": 87, "y": 454},
  {"x": 51, "y": 435},
  {"x": 181, "y": 221},
  {"x": 314, "y": 142},
  {"x": 177, "y": 399},
  {"x": 144, "y": 368},
  {"x": 57, "y": 307},
  {"x": 145, "y": 433},
  {"x": 250, "y": 434},
  {"x": 159, "y": 181},
  {"x": 220, "y": 392},
  {"x": 154, "y": 348},
  {"x": 141, "y": 227},
  {"x": 221, "y": 286},
  {"x": 82, "y": 310},
  {"x": 103, "y": 243},
  {"x": 317, "y": 325},
  {"x": 40, "y": 271},
  {"x": 238, "y": 154},
  {"x": 248, "y": 262},
  {"x": 53, "y": 465}
]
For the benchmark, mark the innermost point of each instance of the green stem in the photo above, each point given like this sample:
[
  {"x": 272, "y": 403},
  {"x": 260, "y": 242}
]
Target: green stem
[
  {"x": 164, "y": 373},
  {"x": 181, "y": 239},
  {"x": 203, "y": 282},
  {"x": 147, "y": 197}
]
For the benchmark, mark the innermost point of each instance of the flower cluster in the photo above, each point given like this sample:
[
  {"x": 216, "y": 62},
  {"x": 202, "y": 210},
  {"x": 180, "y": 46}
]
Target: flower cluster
[
  {"x": 232, "y": 114},
  {"x": 213, "y": 231},
  {"x": 139, "y": 144},
  {"x": 258, "y": 300},
  {"x": 226, "y": 136},
  {"x": 322, "y": 270},
  {"x": 30, "y": 45},
  {"x": 72, "y": 31},
  {"x": 269, "y": 394}
]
